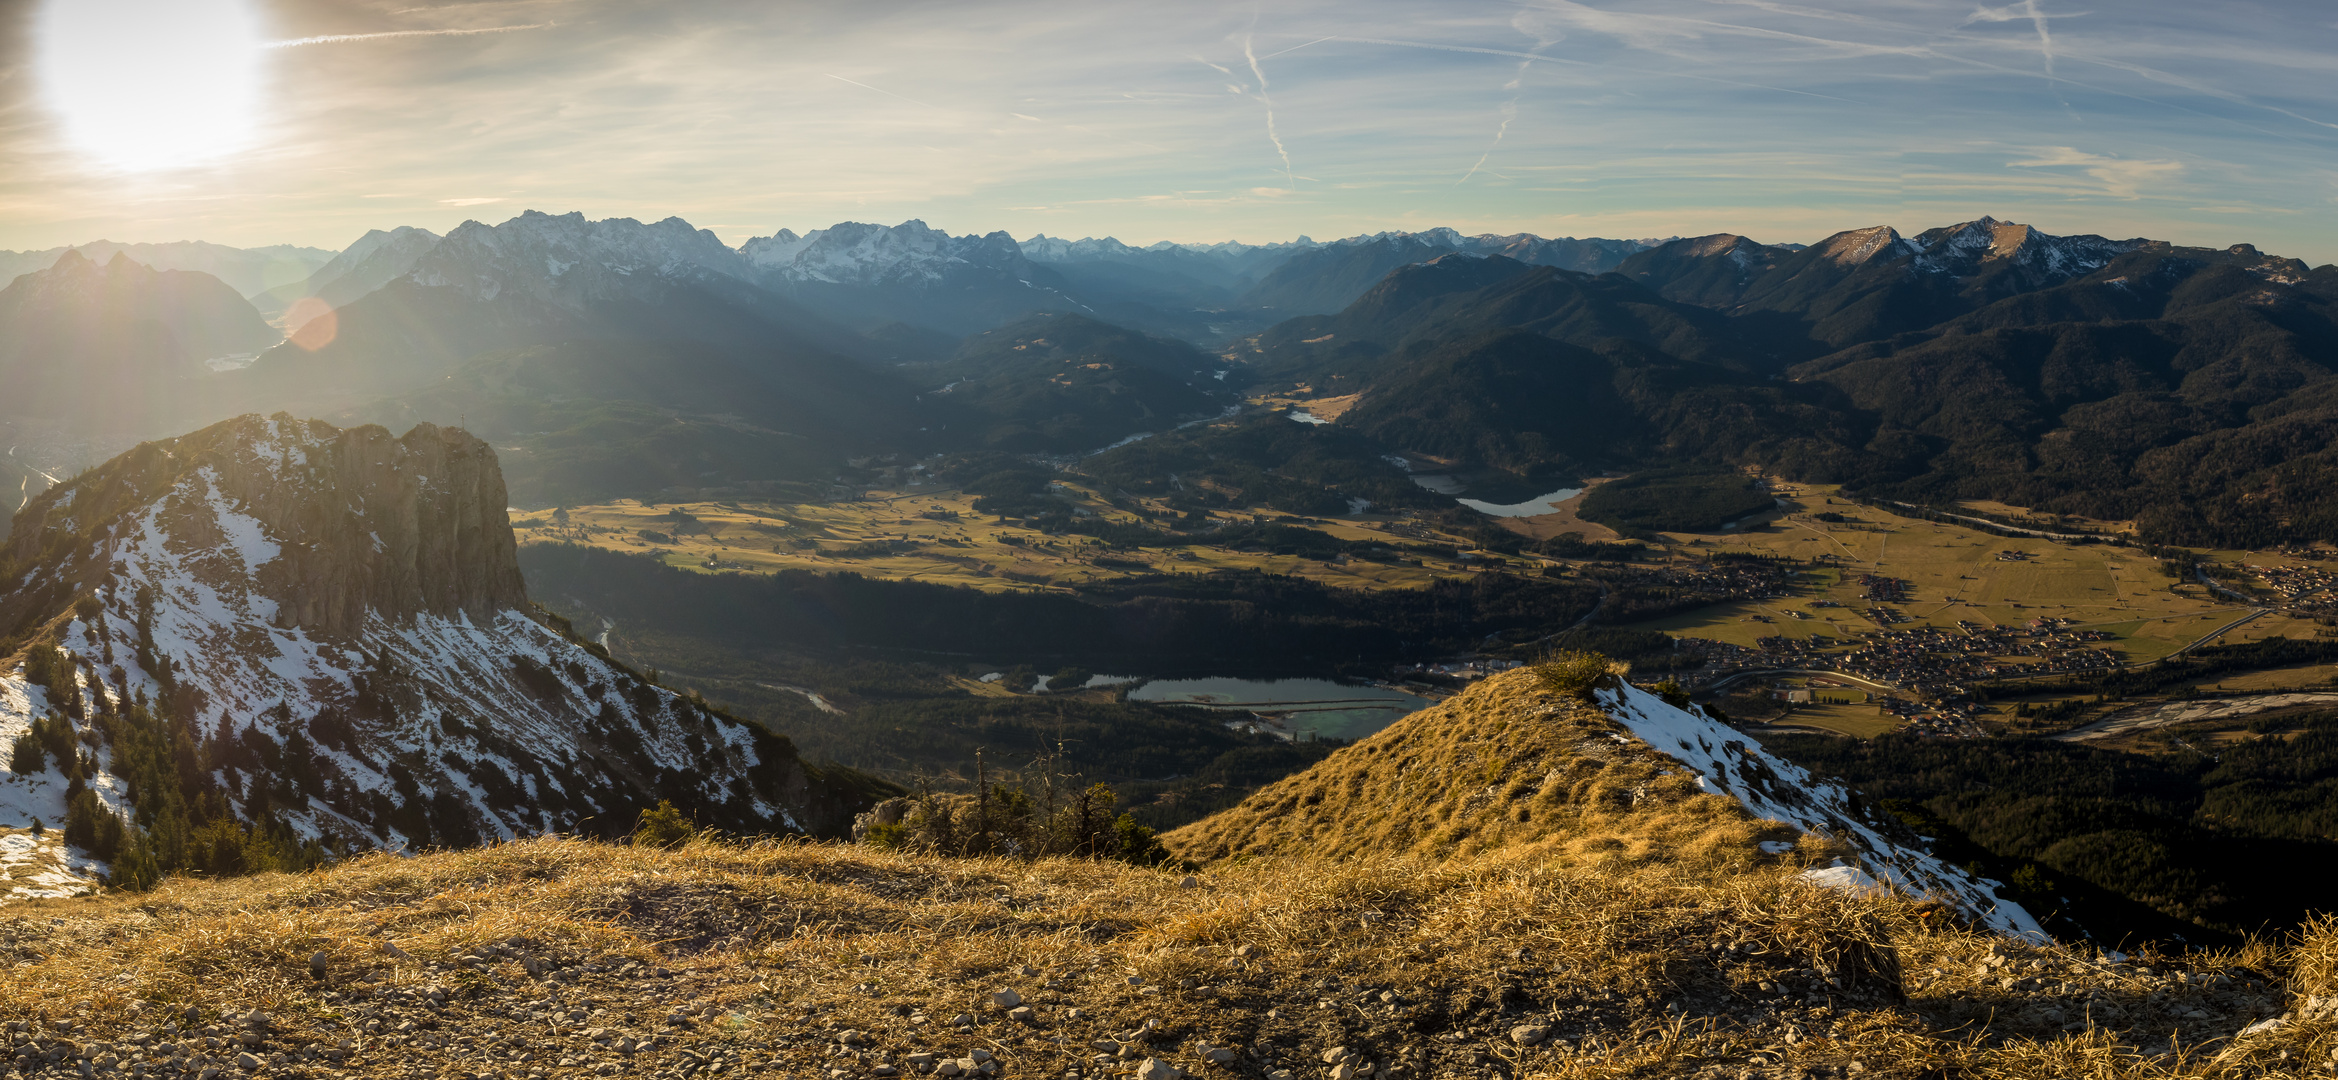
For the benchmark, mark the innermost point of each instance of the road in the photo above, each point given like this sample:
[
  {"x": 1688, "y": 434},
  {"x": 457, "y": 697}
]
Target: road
[{"x": 1867, "y": 682}]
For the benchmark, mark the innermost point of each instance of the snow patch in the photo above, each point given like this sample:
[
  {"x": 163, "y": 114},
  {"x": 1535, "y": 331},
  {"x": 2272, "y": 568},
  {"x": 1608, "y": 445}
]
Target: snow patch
[{"x": 1779, "y": 790}]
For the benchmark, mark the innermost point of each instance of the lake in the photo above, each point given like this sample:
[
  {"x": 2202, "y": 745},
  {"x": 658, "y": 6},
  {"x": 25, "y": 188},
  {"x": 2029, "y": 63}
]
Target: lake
[
  {"x": 1534, "y": 507},
  {"x": 1293, "y": 707}
]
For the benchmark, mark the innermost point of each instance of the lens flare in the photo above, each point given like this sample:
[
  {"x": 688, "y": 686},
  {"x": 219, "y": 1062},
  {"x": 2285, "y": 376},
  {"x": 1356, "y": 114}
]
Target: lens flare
[
  {"x": 311, "y": 323},
  {"x": 152, "y": 84}
]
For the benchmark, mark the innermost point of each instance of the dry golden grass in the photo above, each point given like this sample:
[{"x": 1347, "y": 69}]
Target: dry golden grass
[
  {"x": 767, "y": 955},
  {"x": 1499, "y": 887},
  {"x": 970, "y": 549},
  {"x": 1506, "y": 769}
]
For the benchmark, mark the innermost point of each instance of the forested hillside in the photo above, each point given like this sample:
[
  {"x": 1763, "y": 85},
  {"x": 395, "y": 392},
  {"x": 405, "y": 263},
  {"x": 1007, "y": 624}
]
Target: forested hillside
[
  {"x": 2192, "y": 390},
  {"x": 2216, "y": 840}
]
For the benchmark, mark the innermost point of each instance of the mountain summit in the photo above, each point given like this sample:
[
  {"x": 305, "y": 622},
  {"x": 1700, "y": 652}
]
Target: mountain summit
[
  {"x": 1511, "y": 771},
  {"x": 322, "y": 635}
]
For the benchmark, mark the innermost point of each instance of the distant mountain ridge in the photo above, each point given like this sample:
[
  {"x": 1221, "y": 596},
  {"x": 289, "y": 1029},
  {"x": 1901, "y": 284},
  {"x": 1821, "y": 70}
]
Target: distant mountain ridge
[
  {"x": 2187, "y": 389},
  {"x": 249, "y": 271},
  {"x": 374, "y": 260},
  {"x": 534, "y": 279},
  {"x": 115, "y": 341},
  {"x": 1870, "y": 283}
]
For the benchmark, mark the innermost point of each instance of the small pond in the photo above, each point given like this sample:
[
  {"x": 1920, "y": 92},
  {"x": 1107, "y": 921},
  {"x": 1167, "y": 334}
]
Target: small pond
[{"x": 1292, "y": 708}]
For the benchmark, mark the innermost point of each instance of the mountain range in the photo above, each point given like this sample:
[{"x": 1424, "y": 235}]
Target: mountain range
[
  {"x": 249, "y": 271},
  {"x": 2125, "y": 379},
  {"x": 2182, "y": 388}
]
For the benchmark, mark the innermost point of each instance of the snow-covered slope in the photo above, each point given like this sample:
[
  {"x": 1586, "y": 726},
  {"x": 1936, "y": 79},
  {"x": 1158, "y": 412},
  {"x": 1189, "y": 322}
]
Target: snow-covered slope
[
  {"x": 911, "y": 273},
  {"x": 325, "y": 628},
  {"x": 1966, "y": 249},
  {"x": 1729, "y": 763}
]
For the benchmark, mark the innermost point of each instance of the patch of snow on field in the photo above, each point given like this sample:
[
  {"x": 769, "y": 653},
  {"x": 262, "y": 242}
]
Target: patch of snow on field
[{"x": 43, "y": 867}]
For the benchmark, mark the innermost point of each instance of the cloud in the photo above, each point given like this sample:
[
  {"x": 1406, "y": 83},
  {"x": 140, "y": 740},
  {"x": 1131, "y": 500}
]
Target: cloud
[
  {"x": 2121, "y": 178},
  {"x": 1525, "y": 23},
  {"x": 1785, "y": 119},
  {"x": 469, "y": 202}
]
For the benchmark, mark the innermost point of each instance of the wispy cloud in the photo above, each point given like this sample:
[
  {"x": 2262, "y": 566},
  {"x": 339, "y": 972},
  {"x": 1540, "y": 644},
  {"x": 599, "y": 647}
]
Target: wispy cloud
[
  {"x": 1509, "y": 109},
  {"x": 2121, "y": 178},
  {"x": 339, "y": 39}
]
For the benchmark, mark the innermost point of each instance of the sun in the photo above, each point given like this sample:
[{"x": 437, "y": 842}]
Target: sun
[{"x": 152, "y": 84}]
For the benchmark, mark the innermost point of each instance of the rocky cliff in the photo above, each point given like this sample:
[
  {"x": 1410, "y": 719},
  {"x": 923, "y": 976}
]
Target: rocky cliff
[
  {"x": 363, "y": 523},
  {"x": 324, "y": 633}
]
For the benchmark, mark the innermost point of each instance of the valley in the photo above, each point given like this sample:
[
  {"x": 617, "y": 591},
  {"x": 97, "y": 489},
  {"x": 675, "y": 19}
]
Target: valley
[
  {"x": 1911, "y": 610},
  {"x": 1581, "y": 540},
  {"x": 846, "y": 536},
  {"x": 937, "y": 536}
]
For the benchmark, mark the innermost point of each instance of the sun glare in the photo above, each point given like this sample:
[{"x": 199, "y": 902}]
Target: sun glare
[{"x": 152, "y": 84}]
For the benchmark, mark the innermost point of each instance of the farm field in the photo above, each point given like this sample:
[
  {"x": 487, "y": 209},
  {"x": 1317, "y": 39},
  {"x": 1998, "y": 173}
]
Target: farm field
[
  {"x": 1864, "y": 721},
  {"x": 1946, "y": 573},
  {"x": 937, "y": 536},
  {"x": 1952, "y": 574}
]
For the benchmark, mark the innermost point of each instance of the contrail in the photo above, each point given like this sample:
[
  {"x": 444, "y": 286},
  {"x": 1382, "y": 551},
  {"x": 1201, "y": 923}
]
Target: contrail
[
  {"x": 1509, "y": 113},
  {"x": 881, "y": 90},
  {"x": 1270, "y": 109},
  {"x": 2045, "y": 40},
  {"x": 336, "y": 39}
]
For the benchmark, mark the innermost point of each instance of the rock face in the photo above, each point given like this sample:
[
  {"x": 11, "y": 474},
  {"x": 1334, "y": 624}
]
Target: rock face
[
  {"x": 377, "y": 525},
  {"x": 364, "y": 523},
  {"x": 330, "y": 628}
]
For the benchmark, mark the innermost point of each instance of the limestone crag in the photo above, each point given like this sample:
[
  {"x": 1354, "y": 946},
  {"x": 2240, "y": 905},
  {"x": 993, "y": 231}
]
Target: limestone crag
[
  {"x": 326, "y": 634},
  {"x": 365, "y": 522},
  {"x": 370, "y": 522}
]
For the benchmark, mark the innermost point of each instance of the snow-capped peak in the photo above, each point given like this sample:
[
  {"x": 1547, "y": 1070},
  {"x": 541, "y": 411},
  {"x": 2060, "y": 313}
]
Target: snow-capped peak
[
  {"x": 1856, "y": 247},
  {"x": 569, "y": 258},
  {"x": 1966, "y": 249},
  {"x": 856, "y": 253}
]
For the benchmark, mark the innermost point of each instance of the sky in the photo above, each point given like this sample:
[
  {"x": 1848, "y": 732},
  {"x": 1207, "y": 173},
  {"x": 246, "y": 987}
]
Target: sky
[{"x": 252, "y": 122}]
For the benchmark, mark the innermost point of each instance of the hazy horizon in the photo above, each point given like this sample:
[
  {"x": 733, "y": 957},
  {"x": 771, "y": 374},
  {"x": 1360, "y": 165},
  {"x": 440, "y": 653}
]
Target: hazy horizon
[{"x": 307, "y": 122}]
